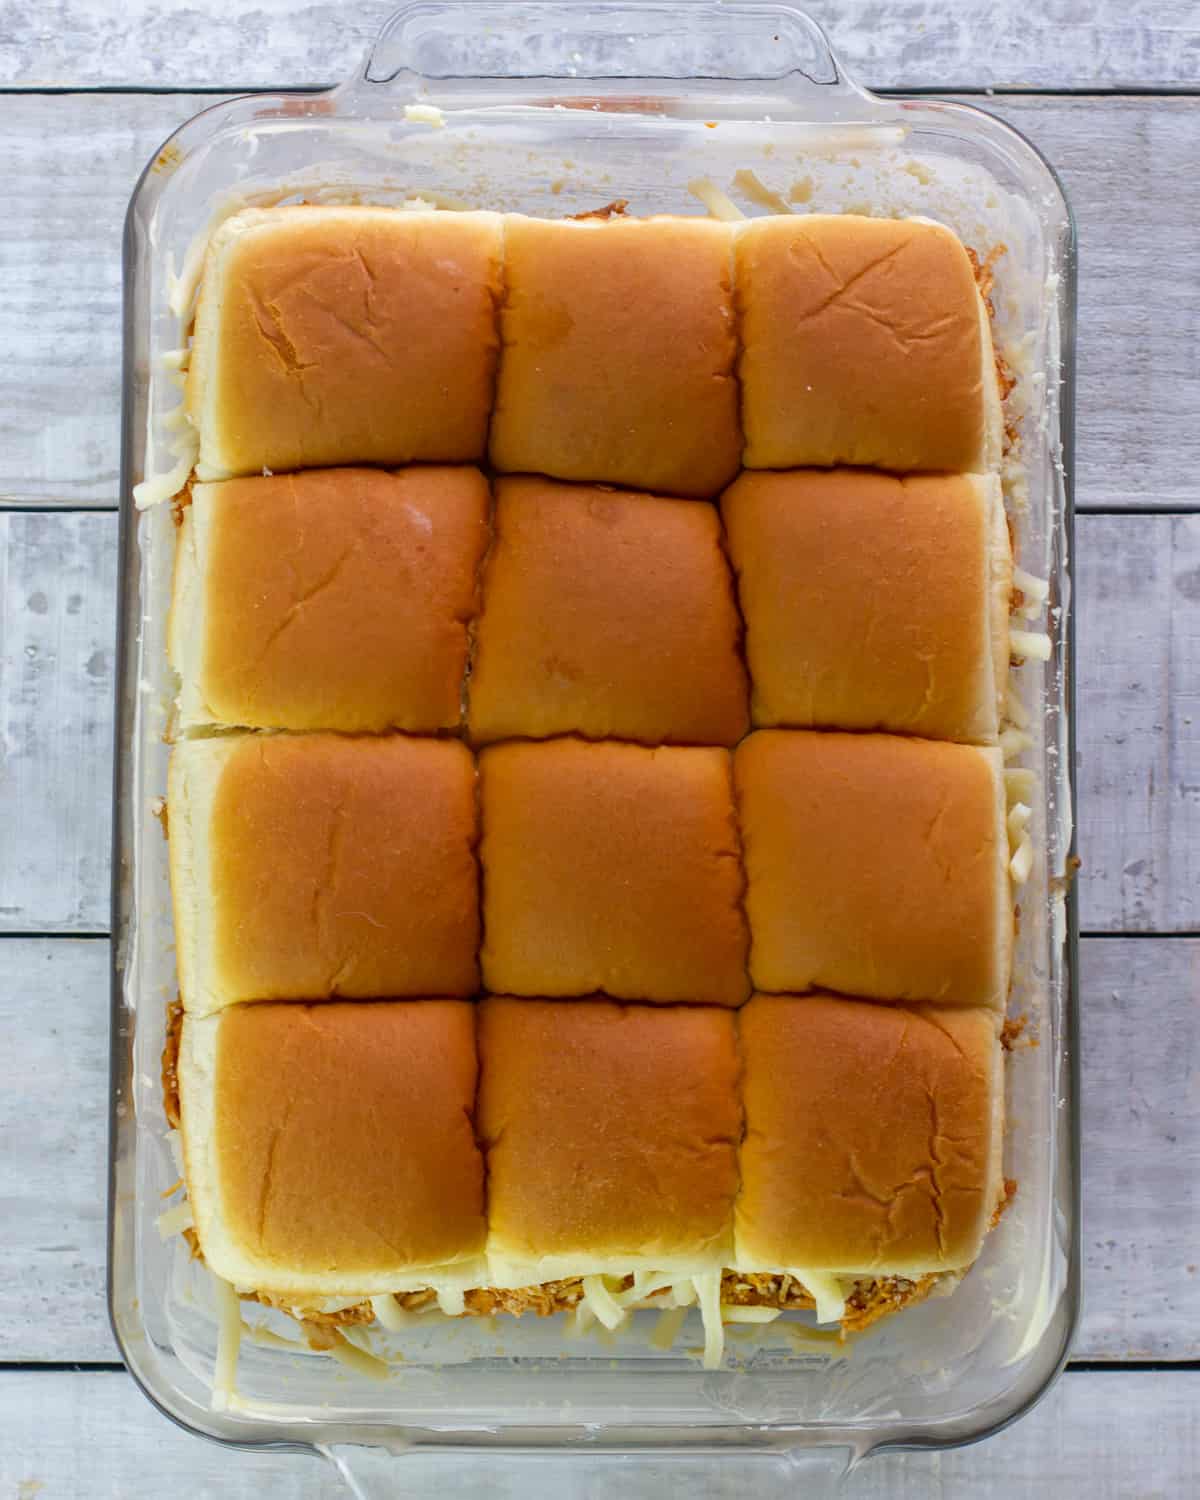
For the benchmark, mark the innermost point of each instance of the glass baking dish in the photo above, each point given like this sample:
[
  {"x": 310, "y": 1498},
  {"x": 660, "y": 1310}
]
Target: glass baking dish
[{"x": 551, "y": 108}]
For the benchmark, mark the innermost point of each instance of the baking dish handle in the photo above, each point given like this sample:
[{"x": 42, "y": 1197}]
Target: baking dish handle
[{"x": 442, "y": 49}]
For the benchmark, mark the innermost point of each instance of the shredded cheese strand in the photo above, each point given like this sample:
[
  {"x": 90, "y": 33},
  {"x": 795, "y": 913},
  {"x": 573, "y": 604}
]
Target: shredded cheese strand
[
  {"x": 720, "y": 205},
  {"x": 1030, "y": 645},
  {"x": 708, "y": 1293},
  {"x": 667, "y": 1326},
  {"x": 229, "y": 1339},
  {"x": 357, "y": 1359},
  {"x": 602, "y": 1302},
  {"x": 735, "y": 1313},
  {"x": 175, "y": 1220}
]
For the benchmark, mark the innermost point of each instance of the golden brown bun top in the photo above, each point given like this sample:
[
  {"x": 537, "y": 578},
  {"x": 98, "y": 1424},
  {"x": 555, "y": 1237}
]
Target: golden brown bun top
[
  {"x": 872, "y": 1134},
  {"x": 612, "y": 868},
  {"x": 863, "y": 342},
  {"x": 343, "y": 1135},
  {"x": 868, "y": 599},
  {"x": 877, "y": 866},
  {"x": 617, "y": 360},
  {"x": 343, "y": 866},
  {"x": 340, "y": 598},
  {"x": 334, "y": 335},
  {"x": 608, "y": 613},
  {"x": 609, "y": 1129}
]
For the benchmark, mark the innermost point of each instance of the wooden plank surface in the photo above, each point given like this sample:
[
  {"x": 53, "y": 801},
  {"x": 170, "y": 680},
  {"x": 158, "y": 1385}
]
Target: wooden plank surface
[
  {"x": 70, "y": 165},
  {"x": 1139, "y": 724},
  {"x": 57, "y": 629},
  {"x": 1141, "y": 1129},
  {"x": 1109, "y": 1436},
  {"x": 287, "y": 43}
]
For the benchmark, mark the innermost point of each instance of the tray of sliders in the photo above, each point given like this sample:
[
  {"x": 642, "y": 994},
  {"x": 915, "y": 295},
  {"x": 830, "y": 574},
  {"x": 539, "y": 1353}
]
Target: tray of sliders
[{"x": 596, "y": 633}]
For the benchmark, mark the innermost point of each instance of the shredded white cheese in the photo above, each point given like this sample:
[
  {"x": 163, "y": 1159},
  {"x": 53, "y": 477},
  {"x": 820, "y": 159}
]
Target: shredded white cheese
[
  {"x": 752, "y": 185},
  {"x": 390, "y": 1314},
  {"x": 1034, "y": 588},
  {"x": 424, "y": 114},
  {"x": 1020, "y": 783},
  {"x": 1013, "y": 742},
  {"x": 720, "y": 205},
  {"x": 1021, "y": 864},
  {"x": 732, "y": 1313},
  {"x": 175, "y": 1220},
  {"x": 826, "y": 1291},
  {"x": 166, "y": 486},
  {"x": 708, "y": 1293},
  {"x": 602, "y": 1302},
  {"x": 667, "y": 1326},
  {"x": 585, "y": 1316},
  {"x": 229, "y": 1338},
  {"x": 1018, "y": 820},
  {"x": 1031, "y": 645},
  {"x": 452, "y": 1301},
  {"x": 354, "y": 1358}
]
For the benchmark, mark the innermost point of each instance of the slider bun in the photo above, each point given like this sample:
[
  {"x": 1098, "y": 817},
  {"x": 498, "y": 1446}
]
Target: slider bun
[
  {"x": 864, "y": 341},
  {"x": 609, "y": 614},
  {"x": 611, "y": 868},
  {"x": 329, "y": 599},
  {"x": 311, "y": 866},
  {"x": 873, "y": 602},
  {"x": 873, "y": 1136},
  {"x": 610, "y": 1133},
  {"x": 329, "y": 1148},
  {"x": 876, "y": 865},
  {"x": 344, "y": 335},
  {"x": 617, "y": 356}
]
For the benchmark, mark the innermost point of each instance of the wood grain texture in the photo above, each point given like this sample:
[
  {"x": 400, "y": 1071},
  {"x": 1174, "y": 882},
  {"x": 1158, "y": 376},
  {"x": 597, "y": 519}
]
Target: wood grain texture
[
  {"x": 57, "y": 628},
  {"x": 1139, "y": 724},
  {"x": 53, "y": 1176},
  {"x": 918, "y": 44},
  {"x": 70, "y": 165},
  {"x": 1141, "y": 1132},
  {"x": 1110, "y": 1436}
]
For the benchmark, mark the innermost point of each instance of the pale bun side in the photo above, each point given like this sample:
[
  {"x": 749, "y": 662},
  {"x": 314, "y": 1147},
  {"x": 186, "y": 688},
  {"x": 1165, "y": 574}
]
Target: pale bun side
[
  {"x": 337, "y": 335},
  {"x": 864, "y": 342},
  {"x": 329, "y": 1149},
  {"x": 877, "y": 866},
  {"x": 1000, "y": 594},
  {"x": 310, "y": 867},
  {"x": 873, "y": 1136},
  {"x": 187, "y": 622},
  {"x": 617, "y": 357},
  {"x": 869, "y": 599},
  {"x": 610, "y": 1133}
]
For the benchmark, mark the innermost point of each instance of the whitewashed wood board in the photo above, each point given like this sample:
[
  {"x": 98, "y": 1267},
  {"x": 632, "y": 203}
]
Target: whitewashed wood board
[
  {"x": 1104, "y": 1435},
  {"x": 71, "y": 163},
  {"x": 1139, "y": 722},
  {"x": 57, "y": 644},
  {"x": 1141, "y": 1133},
  {"x": 1138, "y": 729},
  {"x": 919, "y": 44}
]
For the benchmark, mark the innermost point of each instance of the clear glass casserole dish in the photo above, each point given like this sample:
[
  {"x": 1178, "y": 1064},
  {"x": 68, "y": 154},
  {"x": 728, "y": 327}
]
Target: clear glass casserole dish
[{"x": 547, "y": 108}]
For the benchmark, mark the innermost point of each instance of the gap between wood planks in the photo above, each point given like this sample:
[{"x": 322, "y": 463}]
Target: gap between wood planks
[{"x": 917, "y": 91}]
